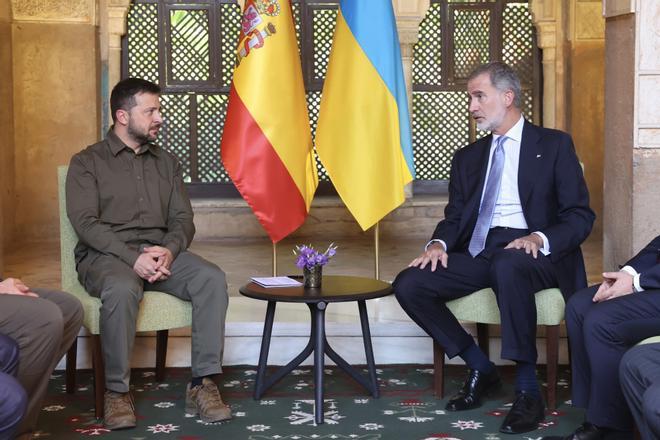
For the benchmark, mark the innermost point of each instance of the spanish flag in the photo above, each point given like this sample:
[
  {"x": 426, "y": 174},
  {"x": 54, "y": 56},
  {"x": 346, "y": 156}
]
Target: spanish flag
[
  {"x": 266, "y": 145},
  {"x": 363, "y": 135}
]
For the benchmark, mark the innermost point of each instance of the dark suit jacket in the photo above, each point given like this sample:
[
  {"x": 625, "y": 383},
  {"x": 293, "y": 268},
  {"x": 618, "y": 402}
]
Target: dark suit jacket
[
  {"x": 553, "y": 194},
  {"x": 647, "y": 265}
]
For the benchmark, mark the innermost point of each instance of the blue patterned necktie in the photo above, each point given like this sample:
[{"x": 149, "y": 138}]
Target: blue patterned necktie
[{"x": 481, "y": 228}]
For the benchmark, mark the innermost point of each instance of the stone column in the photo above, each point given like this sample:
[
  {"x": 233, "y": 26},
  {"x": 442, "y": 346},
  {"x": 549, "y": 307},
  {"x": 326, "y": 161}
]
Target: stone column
[
  {"x": 6, "y": 131},
  {"x": 632, "y": 127},
  {"x": 547, "y": 16},
  {"x": 112, "y": 27},
  {"x": 409, "y": 15},
  {"x": 586, "y": 97}
]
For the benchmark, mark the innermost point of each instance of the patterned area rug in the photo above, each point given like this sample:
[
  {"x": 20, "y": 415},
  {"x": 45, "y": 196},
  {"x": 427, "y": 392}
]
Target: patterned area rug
[{"x": 407, "y": 409}]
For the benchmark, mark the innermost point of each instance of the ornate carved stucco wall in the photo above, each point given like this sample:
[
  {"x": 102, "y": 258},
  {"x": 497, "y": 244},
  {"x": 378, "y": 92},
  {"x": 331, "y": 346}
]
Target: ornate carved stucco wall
[
  {"x": 54, "y": 46},
  {"x": 6, "y": 127}
]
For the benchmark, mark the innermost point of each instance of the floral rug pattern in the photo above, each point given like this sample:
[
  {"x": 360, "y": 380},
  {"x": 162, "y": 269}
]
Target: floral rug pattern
[{"x": 406, "y": 410}]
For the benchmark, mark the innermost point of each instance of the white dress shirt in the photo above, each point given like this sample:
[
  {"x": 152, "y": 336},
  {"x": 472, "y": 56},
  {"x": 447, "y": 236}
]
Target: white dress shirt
[{"x": 508, "y": 210}]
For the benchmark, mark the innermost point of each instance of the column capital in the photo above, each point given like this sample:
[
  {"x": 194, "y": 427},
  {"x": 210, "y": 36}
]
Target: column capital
[
  {"x": 409, "y": 14},
  {"x": 117, "y": 11}
]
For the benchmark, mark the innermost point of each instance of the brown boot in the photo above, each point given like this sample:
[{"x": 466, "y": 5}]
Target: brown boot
[
  {"x": 119, "y": 411},
  {"x": 205, "y": 400}
]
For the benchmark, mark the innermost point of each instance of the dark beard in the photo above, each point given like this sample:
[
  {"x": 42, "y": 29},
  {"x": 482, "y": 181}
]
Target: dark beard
[{"x": 141, "y": 138}]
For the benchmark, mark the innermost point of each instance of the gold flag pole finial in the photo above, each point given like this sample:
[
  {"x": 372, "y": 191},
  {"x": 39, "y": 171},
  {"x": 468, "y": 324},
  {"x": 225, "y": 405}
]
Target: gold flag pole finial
[{"x": 377, "y": 250}]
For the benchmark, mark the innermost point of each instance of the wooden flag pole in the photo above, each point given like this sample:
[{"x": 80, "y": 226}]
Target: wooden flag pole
[
  {"x": 377, "y": 250},
  {"x": 274, "y": 259}
]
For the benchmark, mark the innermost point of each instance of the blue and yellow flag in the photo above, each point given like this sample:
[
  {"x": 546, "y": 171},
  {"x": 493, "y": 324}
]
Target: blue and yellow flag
[{"x": 363, "y": 134}]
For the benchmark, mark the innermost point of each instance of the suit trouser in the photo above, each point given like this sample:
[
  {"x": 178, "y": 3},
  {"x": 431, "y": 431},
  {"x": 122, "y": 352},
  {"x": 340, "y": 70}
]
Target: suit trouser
[
  {"x": 44, "y": 329},
  {"x": 121, "y": 289},
  {"x": 599, "y": 335},
  {"x": 640, "y": 381},
  {"x": 513, "y": 275},
  {"x": 13, "y": 400}
]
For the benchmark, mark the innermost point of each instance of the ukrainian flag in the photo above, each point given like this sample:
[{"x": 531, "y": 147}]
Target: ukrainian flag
[{"x": 363, "y": 135}]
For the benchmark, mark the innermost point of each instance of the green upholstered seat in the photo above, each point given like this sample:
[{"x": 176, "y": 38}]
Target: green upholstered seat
[
  {"x": 481, "y": 306},
  {"x": 158, "y": 311},
  {"x": 651, "y": 340}
]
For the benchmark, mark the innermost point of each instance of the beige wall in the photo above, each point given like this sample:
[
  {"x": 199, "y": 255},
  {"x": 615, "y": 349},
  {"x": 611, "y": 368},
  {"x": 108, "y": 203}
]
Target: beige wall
[
  {"x": 586, "y": 100},
  {"x": 6, "y": 127},
  {"x": 55, "y": 115},
  {"x": 619, "y": 124}
]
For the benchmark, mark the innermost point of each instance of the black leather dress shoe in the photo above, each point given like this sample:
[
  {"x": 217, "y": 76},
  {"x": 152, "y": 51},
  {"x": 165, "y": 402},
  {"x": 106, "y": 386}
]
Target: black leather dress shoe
[
  {"x": 525, "y": 414},
  {"x": 592, "y": 432},
  {"x": 475, "y": 386}
]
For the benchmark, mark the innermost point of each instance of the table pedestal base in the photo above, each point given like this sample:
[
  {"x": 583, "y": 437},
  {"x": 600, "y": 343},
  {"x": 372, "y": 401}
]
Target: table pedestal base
[{"x": 318, "y": 344}]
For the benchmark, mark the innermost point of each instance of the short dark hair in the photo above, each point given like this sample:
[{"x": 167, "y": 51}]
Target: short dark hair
[
  {"x": 123, "y": 94},
  {"x": 503, "y": 78}
]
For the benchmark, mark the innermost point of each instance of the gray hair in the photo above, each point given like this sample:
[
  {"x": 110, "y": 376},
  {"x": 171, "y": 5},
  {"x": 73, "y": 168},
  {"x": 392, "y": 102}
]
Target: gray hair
[{"x": 503, "y": 78}]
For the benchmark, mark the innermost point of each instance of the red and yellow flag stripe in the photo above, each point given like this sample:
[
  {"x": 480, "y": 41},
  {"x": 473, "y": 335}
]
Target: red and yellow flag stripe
[{"x": 266, "y": 144}]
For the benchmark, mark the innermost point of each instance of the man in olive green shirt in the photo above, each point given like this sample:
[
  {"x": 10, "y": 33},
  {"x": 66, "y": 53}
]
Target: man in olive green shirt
[{"x": 127, "y": 203}]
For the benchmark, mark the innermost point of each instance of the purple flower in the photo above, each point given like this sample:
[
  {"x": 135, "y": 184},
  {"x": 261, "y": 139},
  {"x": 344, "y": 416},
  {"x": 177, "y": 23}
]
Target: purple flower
[{"x": 309, "y": 257}]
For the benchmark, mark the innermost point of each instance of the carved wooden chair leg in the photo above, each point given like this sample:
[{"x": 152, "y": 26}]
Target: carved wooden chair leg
[
  {"x": 71, "y": 359},
  {"x": 161, "y": 354},
  {"x": 552, "y": 359},
  {"x": 99, "y": 375}
]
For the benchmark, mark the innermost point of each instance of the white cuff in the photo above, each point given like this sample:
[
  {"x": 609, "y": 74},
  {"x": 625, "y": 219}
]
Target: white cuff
[
  {"x": 631, "y": 271},
  {"x": 435, "y": 240},
  {"x": 545, "y": 250}
]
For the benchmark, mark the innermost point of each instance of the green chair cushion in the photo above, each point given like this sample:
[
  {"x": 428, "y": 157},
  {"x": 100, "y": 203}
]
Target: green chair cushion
[
  {"x": 651, "y": 340},
  {"x": 481, "y": 307}
]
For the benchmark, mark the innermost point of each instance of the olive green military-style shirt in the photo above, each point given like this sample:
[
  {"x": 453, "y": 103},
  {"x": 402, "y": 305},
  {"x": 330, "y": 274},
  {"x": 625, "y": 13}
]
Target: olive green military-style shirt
[{"x": 119, "y": 201}]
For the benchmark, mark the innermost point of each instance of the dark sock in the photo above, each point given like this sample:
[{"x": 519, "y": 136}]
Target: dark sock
[
  {"x": 476, "y": 359},
  {"x": 526, "y": 379},
  {"x": 196, "y": 381}
]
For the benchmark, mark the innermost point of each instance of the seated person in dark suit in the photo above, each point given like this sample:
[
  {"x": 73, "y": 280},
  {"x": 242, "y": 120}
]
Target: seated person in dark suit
[
  {"x": 517, "y": 213},
  {"x": 603, "y": 322},
  {"x": 13, "y": 400},
  {"x": 42, "y": 324},
  {"x": 640, "y": 381}
]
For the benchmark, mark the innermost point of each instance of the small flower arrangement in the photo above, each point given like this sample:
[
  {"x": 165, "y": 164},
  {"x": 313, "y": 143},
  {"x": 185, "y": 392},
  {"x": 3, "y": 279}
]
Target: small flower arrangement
[{"x": 308, "y": 257}]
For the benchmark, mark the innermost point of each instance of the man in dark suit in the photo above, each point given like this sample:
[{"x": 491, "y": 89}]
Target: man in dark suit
[
  {"x": 518, "y": 210},
  {"x": 603, "y": 322},
  {"x": 640, "y": 382}
]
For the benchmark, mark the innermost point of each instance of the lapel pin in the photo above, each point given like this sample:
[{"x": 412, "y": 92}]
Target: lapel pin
[{"x": 538, "y": 155}]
